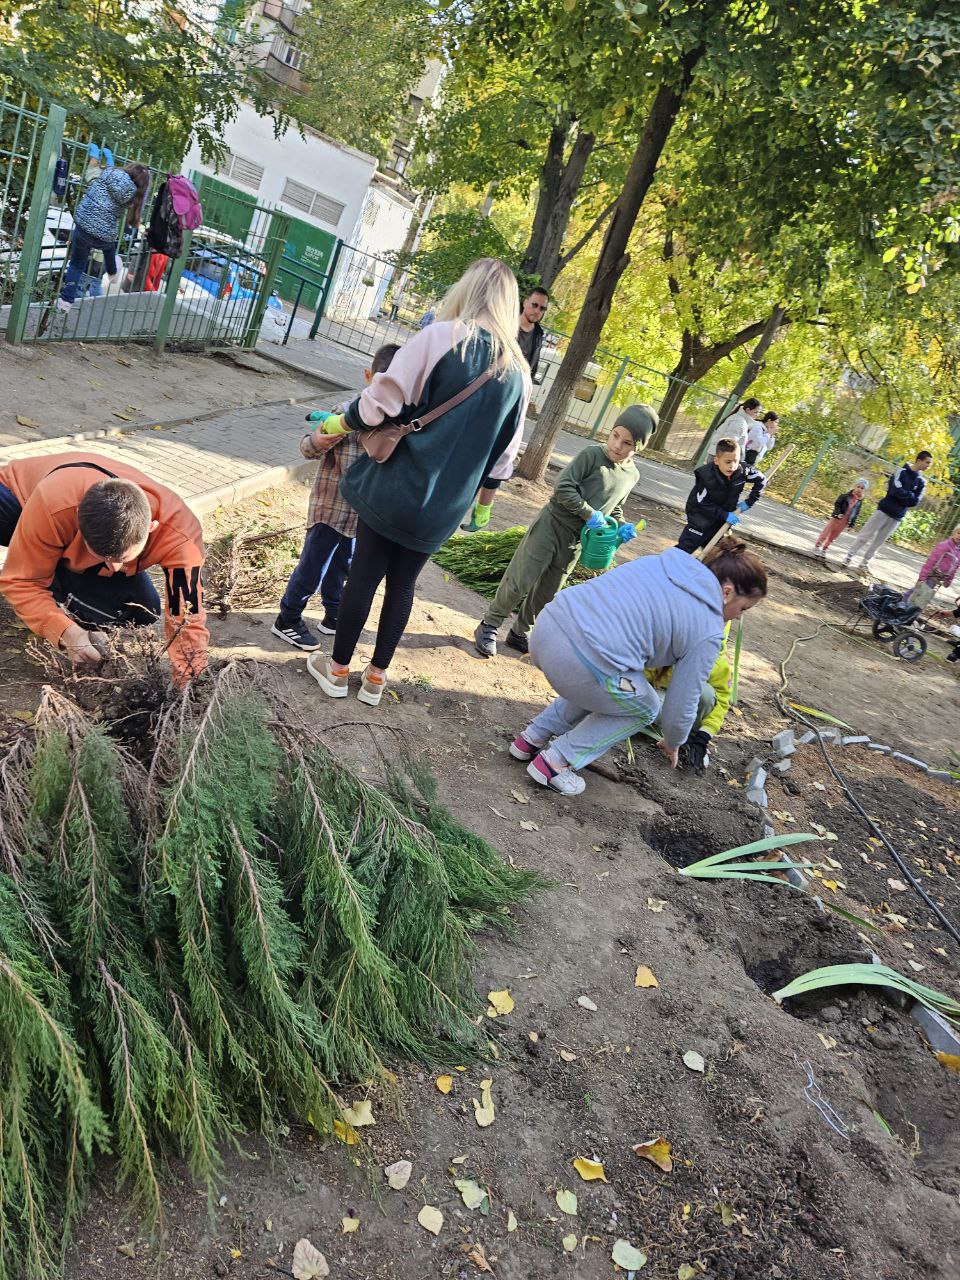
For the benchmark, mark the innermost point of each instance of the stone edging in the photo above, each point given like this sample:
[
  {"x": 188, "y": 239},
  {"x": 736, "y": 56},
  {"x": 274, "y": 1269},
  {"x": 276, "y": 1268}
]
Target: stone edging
[{"x": 941, "y": 1036}]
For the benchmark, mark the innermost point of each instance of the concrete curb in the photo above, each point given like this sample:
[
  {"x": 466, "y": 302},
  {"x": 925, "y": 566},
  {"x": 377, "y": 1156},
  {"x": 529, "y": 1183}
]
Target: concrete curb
[
  {"x": 940, "y": 1035},
  {"x": 330, "y": 383},
  {"x": 228, "y": 495}
]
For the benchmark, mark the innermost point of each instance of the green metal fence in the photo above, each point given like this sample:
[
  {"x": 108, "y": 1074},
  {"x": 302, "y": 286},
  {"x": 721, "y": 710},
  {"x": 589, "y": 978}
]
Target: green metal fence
[{"x": 213, "y": 295}]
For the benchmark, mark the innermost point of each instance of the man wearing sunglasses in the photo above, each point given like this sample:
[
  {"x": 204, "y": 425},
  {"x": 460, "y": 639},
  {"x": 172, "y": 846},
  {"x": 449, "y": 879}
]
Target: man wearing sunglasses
[{"x": 530, "y": 337}]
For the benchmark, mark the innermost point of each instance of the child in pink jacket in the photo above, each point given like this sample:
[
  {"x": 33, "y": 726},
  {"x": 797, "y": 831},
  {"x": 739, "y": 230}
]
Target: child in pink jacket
[{"x": 939, "y": 570}]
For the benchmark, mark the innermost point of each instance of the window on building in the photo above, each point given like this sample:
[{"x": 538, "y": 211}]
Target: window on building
[
  {"x": 313, "y": 202},
  {"x": 286, "y": 53},
  {"x": 246, "y": 172}
]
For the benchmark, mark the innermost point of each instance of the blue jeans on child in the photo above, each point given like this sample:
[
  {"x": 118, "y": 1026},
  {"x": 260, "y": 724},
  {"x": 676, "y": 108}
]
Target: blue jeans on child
[
  {"x": 323, "y": 566},
  {"x": 93, "y": 600},
  {"x": 81, "y": 246}
]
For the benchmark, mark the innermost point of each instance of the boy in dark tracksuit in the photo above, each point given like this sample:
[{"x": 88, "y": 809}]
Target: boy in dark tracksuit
[{"x": 716, "y": 495}]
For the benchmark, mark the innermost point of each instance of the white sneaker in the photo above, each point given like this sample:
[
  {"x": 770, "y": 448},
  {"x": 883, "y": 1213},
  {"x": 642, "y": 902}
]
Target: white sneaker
[
  {"x": 63, "y": 306},
  {"x": 567, "y": 781},
  {"x": 334, "y": 686},
  {"x": 954, "y": 631}
]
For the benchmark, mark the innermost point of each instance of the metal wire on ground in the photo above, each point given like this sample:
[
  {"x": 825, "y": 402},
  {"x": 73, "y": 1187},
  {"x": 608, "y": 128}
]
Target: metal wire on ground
[{"x": 793, "y": 713}]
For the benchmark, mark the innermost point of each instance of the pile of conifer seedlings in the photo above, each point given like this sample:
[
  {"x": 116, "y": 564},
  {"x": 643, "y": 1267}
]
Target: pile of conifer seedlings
[{"x": 209, "y": 924}]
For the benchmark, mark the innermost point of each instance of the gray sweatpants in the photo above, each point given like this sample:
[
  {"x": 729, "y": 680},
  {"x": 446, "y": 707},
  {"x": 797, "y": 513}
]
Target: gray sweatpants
[
  {"x": 872, "y": 537},
  {"x": 595, "y": 710}
]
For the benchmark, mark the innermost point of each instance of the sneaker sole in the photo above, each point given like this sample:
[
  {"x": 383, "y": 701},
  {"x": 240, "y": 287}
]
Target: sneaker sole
[
  {"x": 370, "y": 697},
  {"x": 517, "y": 754},
  {"x": 331, "y": 690},
  {"x": 537, "y": 776},
  {"x": 305, "y": 648},
  {"x": 326, "y": 631}
]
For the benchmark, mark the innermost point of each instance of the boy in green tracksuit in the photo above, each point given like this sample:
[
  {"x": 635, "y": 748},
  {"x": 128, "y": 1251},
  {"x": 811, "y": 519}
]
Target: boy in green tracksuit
[{"x": 593, "y": 486}]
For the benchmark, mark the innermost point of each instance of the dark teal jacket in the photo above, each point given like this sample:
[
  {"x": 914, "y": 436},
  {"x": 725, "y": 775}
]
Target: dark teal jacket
[{"x": 419, "y": 496}]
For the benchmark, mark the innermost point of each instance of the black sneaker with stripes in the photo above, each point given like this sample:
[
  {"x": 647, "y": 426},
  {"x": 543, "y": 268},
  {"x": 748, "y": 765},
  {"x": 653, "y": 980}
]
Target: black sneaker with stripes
[{"x": 296, "y": 633}]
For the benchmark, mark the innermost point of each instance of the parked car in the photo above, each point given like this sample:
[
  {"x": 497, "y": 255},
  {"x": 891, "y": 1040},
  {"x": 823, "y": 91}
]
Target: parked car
[
  {"x": 222, "y": 267},
  {"x": 54, "y": 245}
]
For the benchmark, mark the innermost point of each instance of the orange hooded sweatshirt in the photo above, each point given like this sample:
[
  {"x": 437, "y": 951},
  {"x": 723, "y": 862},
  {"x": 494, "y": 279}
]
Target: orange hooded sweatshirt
[{"x": 49, "y": 490}]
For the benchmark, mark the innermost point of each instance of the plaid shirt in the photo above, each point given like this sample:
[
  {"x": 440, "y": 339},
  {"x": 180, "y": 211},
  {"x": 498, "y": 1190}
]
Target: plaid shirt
[{"x": 326, "y": 504}]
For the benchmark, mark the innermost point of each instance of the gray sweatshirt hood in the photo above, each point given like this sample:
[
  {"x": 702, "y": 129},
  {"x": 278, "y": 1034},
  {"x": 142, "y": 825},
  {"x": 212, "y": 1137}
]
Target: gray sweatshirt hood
[{"x": 692, "y": 576}]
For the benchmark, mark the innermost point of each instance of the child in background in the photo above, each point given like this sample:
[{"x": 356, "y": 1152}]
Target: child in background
[
  {"x": 332, "y": 525},
  {"x": 594, "y": 485},
  {"x": 96, "y": 225},
  {"x": 716, "y": 495},
  {"x": 939, "y": 570},
  {"x": 846, "y": 511}
]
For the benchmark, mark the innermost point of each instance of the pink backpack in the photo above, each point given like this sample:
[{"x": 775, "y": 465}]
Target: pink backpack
[{"x": 186, "y": 202}]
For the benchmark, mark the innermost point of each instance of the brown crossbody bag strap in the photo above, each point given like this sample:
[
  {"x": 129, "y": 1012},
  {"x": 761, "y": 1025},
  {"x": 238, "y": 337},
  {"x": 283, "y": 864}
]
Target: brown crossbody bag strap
[{"x": 380, "y": 442}]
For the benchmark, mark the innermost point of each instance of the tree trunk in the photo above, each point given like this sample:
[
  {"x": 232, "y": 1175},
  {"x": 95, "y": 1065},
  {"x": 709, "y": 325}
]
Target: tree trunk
[
  {"x": 560, "y": 181},
  {"x": 611, "y": 264},
  {"x": 751, "y": 370}
]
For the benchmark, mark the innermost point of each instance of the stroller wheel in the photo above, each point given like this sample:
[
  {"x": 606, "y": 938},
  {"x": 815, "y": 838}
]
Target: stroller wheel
[
  {"x": 883, "y": 632},
  {"x": 909, "y": 646}
]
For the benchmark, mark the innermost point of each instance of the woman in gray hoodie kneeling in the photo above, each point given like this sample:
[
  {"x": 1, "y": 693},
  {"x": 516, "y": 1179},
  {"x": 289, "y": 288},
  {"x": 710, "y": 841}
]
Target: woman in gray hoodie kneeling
[{"x": 594, "y": 641}]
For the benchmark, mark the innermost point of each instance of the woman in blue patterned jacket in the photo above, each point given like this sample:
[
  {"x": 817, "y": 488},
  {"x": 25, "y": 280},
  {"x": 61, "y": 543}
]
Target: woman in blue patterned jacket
[{"x": 96, "y": 224}]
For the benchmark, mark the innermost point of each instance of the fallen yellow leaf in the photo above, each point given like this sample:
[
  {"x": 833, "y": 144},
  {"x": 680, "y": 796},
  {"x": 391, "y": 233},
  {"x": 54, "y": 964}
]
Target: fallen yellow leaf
[
  {"x": 501, "y": 1003},
  {"x": 589, "y": 1170},
  {"x": 567, "y": 1056},
  {"x": 658, "y": 1151},
  {"x": 349, "y": 1225},
  {"x": 569, "y": 1243},
  {"x": 472, "y": 1194},
  {"x": 566, "y": 1201},
  {"x": 645, "y": 977},
  {"x": 949, "y": 1060},
  {"x": 512, "y": 1223},
  {"x": 360, "y": 1114},
  {"x": 345, "y": 1133},
  {"x": 483, "y": 1110},
  {"x": 444, "y": 1083},
  {"x": 431, "y": 1219}
]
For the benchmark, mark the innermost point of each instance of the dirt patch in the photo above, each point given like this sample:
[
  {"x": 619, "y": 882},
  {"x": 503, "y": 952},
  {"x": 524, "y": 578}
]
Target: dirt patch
[
  {"x": 67, "y": 387},
  {"x": 762, "y": 1185}
]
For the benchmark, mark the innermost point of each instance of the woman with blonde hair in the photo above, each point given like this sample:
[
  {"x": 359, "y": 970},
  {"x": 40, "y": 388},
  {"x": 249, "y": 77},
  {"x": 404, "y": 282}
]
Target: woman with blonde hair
[{"x": 469, "y": 365}]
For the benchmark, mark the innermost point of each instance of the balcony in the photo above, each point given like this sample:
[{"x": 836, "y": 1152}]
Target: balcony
[
  {"x": 285, "y": 15},
  {"x": 283, "y": 73}
]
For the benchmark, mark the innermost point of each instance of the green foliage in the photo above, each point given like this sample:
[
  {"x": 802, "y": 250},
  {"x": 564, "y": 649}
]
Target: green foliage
[
  {"x": 871, "y": 975},
  {"x": 479, "y": 560},
  {"x": 133, "y": 74},
  {"x": 212, "y": 936},
  {"x": 453, "y": 241},
  {"x": 359, "y": 67},
  {"x": 727, "y": 865}
]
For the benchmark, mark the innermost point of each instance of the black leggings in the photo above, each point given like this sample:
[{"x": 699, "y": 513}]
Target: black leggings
[{"x": 374, "y": 559}]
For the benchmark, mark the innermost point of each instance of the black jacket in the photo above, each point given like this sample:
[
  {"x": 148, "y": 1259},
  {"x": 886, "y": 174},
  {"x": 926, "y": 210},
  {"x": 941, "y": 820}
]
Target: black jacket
[
  {"x": 842, "y": 506},
  {"x": 531, "y": 344},
  {"x": 904, "y": 490},
  {"x": 714, "y": 496}
]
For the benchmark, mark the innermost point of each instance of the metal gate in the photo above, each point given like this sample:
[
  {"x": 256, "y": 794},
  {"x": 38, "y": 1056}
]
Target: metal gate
[{"x": 213, "y": 295}]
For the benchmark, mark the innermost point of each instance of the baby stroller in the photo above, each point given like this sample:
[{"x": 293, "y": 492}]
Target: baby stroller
[{"x": 894, "y": 621}]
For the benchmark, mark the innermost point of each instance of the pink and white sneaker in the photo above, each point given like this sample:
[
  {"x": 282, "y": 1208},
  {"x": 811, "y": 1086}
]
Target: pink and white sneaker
[
  {"x": 522, "y": 748},
  {"x": 565, "y": 780}
]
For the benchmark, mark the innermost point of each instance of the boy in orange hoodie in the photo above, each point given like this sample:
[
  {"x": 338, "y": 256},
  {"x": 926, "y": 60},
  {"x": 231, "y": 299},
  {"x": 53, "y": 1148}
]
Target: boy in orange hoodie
[{"x": 81, "y": 530}]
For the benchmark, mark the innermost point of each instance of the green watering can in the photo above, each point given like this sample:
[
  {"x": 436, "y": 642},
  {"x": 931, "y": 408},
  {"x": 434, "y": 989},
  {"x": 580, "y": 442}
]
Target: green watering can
[{"x": 599, "y": 546}]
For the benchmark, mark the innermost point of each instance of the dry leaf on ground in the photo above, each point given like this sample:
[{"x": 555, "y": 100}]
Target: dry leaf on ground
[
  {"x": 589, "y": 1170},
  {"x": 349, "y": 1225},
  {"x": 477, "y": 1256},
  {"x": 520, "y": 797},
  {"x": 569, "y": 1243},
  {"x": 444, "y": 1083},
  {"x": 567, "y": 1056},
  {"x": 471, "y": 1193},
  {"x": 656, "y": 1150},
  {"x": 949, "y": 1060},
  {"x": 398, "y": 1174},
  {"x": 483, "y": 1110},
  {"x": 898, "y": 885},
  {"x": 645, "y": 977},
  {"x": 344, "y": 1132},
  {"x": 566, "y": 1201},
  {"x": 693, "y": 1061},
  {"x": 625, "y": 1255},
  {"x": 501, "y": 1002},
  {"x": 308, "y": 1262},
  {"x": 512, "y": 1223},
  {"x": 431, "y": 1219},
  {"x": 586, "y": 1003},
  {"x": 360, "y": 1114},
  {"x": 529, "y": 826}
]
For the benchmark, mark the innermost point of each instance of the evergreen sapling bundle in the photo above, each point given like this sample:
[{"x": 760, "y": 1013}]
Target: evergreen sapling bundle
[{"x": 214, "y": 934}]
